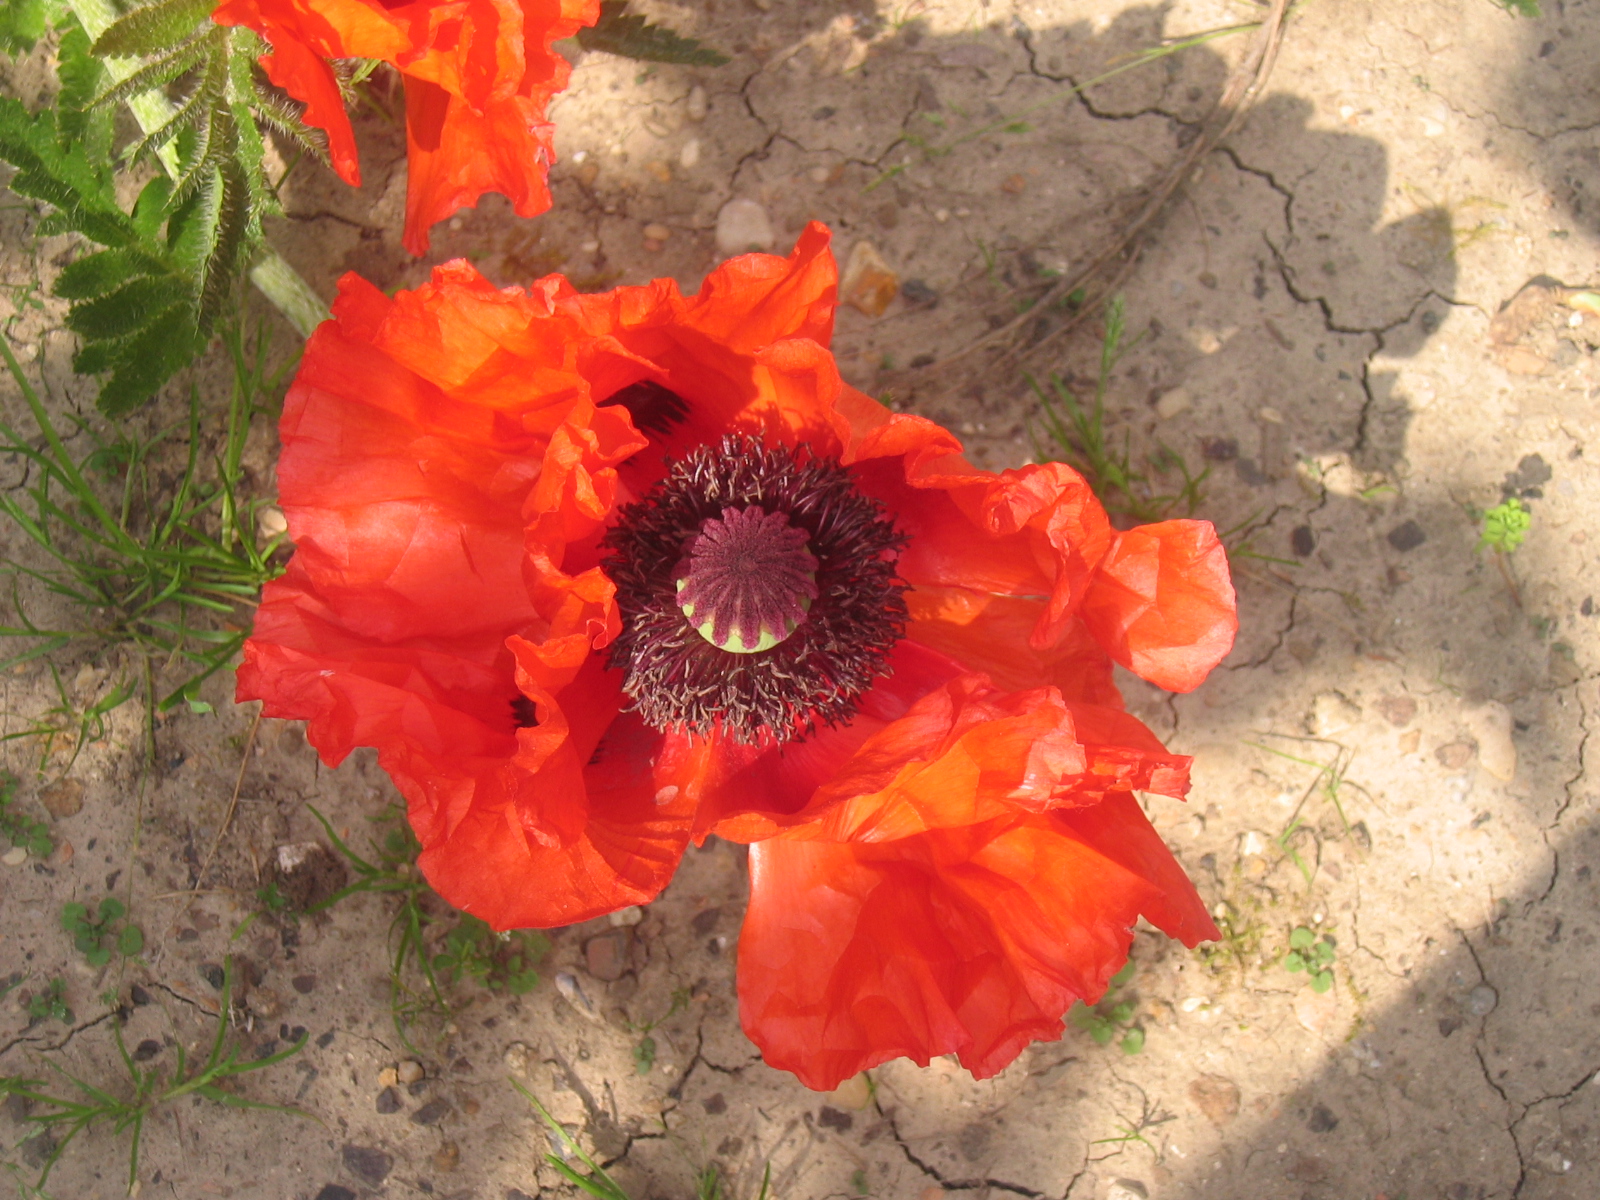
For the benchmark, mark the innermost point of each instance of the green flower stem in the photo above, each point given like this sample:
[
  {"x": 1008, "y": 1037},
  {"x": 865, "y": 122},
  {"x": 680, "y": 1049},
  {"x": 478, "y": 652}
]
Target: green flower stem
[
  {"x": 273, "y": 276},
  {"x": 285, "y": 287}
]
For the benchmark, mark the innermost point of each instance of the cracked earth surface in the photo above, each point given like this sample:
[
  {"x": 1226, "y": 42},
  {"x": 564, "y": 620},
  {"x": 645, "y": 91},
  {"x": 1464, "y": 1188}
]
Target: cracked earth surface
[{"x": 1324, "y": 323}]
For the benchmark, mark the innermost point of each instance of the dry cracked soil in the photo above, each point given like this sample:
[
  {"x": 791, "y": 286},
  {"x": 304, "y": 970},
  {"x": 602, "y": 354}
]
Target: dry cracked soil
[{"x": 1361, "y": 313}]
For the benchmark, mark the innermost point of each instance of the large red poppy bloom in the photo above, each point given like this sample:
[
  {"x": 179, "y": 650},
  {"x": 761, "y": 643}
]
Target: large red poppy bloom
[
  {"x": 599, "y": 574},
  {"x": 478, "y": 76}
]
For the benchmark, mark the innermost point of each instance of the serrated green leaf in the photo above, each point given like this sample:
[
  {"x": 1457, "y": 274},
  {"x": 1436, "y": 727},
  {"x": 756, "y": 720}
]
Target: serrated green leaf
[
  {"x": 151, "y": 28},
  {"x": 280, "y": 116},
  {"x": 147, "y": 361},
  {"x": 82, "y": 75},
  {"x": 154, "y": 74},
  {"x": 95, "y": 358},
  {"x": 150, "y": 209},
  {"x": 22, "y": 23},
  {"x": 619, "y": 32},
  {"x": 97, "y": 274},
  {"x": 221, "y": 267},
  {"x": 126, "y": 310}
]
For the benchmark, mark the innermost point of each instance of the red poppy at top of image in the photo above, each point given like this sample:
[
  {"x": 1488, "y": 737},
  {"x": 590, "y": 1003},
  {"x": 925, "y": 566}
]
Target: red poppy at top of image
[
  {"x": 599, "y": 575},
  {"x": 478, "y": 76}
]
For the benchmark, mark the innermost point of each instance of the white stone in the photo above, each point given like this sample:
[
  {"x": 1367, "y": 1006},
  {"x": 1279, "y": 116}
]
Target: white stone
[
  {"x": 696, "y": 107},
  {"x": 1331, "y": 714},
  {"x": 631, "y": 915},
  {"x": 689, "y": 156},
  {"x": 742, "y": 226},
  {"x": 15, "y": 856},
  {"x": 1174, "y": 402}
]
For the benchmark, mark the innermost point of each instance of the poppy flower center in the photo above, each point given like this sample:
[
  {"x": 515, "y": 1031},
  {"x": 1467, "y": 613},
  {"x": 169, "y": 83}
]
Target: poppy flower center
[
  {"x": 757, "y": 591},
  {"x": 750, "y": 580}
]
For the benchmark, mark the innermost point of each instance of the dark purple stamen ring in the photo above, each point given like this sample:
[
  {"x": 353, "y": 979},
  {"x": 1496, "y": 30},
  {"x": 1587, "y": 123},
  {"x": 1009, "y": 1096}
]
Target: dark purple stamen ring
[{"x": 797, "y": 515}]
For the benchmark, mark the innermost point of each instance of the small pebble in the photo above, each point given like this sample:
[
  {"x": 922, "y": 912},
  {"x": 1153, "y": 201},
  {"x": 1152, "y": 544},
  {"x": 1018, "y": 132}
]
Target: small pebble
[
  {"x": 689, "y": 156},
  {"x": 1482, "y": 1000},
  {"x": 572, "y": 992},
  {"x": 432, "y": 1112},
  {"x": 518, "y": 1058},
  {"x": 696, "y": 107},
  {"x": 1173, "y": 403},
  {"x": 660, "y": 170},
  {"x": 1014, "y": 184},
  {"x": 868, "y": 285},
  {"x": 588, "y": 173},
  {"x": 818, "y": 174},
  {"x": 917, "y": 291},
  {"x": 447, "y": 1157},
  {"x": 15, "y": 856},
  {"x": 657, "y": 232},
  {"x": 271, "y": 522},
  {"x": 409, "y": 1071},
  {"x": 388, "y": 1101},
  {"x": 388, "y": 1077},
  {"x": 744, "y": 226},
  {"x": 631, "y": 915}
]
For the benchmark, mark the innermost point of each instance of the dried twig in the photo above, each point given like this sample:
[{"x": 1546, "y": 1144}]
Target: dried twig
[{"x": 233, "y": 803}]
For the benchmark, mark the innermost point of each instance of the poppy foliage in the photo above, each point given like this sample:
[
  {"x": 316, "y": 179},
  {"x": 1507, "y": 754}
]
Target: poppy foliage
[
  {"x": 478, "y": 77},
  {"x": 601, "y": 574}
]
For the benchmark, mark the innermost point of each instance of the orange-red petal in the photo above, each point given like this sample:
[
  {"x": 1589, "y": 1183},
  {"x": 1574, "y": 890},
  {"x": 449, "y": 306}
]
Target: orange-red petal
[
  {"x": 972, "y": 940},
  {"x": 1162, "y": 603}
]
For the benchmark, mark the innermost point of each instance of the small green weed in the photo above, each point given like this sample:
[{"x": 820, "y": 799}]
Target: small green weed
[
  {"x": 498, "y": 961},
  {"x": 644, "y": 1052},
  {"x": 1113, "y": 1015},
  {"x": 1505, "y": 526},
  {"x": 1328, "y": 782},
  {"x": 50, "y": 1004},
  {"x": 1312, "y": 955},
  {"x": 64, "y": 729},
  {"x": 91, "y": 933},
  {"x": 67, "y": 1116},
  {"x": 20, "y": 830},
  {"x": 1077, "y": 435},
  {"x": 471, "y": 951}
]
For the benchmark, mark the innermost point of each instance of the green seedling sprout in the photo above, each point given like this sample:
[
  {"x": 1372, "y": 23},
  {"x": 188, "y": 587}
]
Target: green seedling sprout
[
  {"x": 91, "y": 930},
  {"x": 1328, "y": 783},
  {"x": 69, "y": 1116},
  {"x": 1075, "y": 433},
  {"x": 644, "y": 1052},
  {"x": 1114, "y": 1014},
  {"x": 1312, "y": 955},
  {"x": 32, "y": 835},
  {"x": 471, "y": 950},
  {"x": 50, "y": 1004},
  {"x": 1505, "y": 526}
]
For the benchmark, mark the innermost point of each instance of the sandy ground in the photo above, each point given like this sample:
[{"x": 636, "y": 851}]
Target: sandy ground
[{"x": 1324, "y": 324}]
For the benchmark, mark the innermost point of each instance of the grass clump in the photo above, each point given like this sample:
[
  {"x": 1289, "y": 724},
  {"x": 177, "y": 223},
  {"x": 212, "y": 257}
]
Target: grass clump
[
  {"x": 61, "y": 1118},
  {"x": 165, "y": 570}
]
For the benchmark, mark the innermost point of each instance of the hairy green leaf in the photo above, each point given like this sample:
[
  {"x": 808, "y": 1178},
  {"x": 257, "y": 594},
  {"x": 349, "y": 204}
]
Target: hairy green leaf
[
  {"x": 97, "y": 274},
  {"x": 222, "y": 266},
  {"x": 127, "y": 309},
  {"x": 152, "y": 28},
  {"x": 155, "y": 73},
  {"x": 22, "y": 23},
  {"x": 167, "y": 345},
  {"x": 619, "y": 32}
]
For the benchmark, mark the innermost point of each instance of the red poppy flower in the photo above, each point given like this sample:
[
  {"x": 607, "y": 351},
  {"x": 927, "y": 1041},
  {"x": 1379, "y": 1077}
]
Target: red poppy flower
[
  {"x": 598, "y": 574},
  {"x": 478, "y": 76}
]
